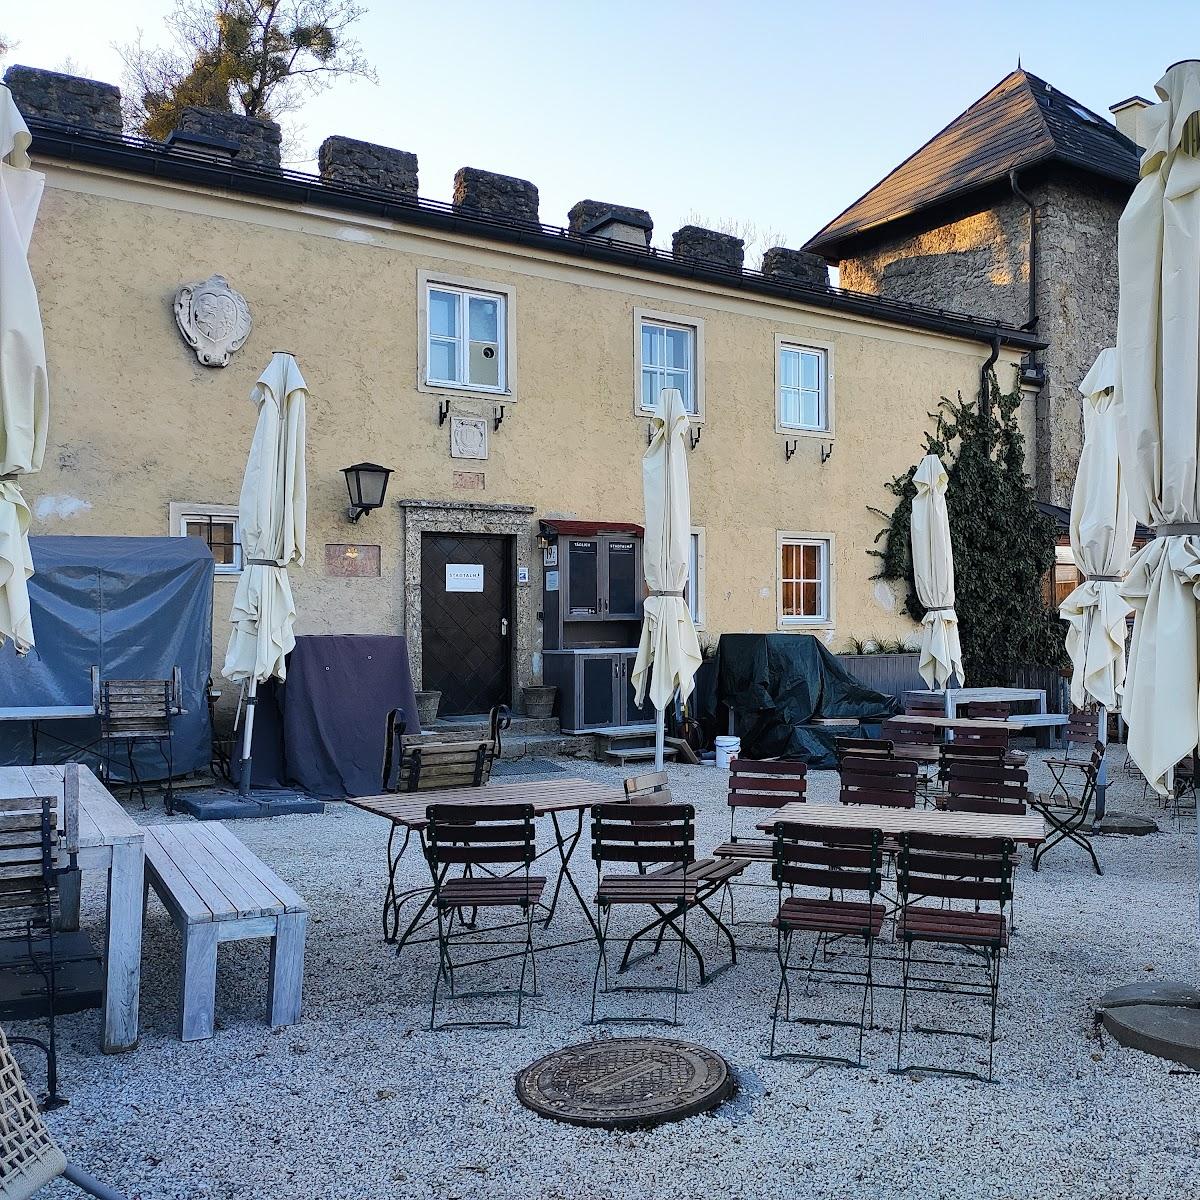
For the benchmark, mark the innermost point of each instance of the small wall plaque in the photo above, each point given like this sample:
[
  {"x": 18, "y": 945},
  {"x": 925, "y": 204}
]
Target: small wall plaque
[
  {"x": 523, "y": 575},
  {"x": 468, "y": 437},
  {"x": 352, "y": 562},
  {"x": 464, "y": 577},
  {"x": 468, "y": 481}
]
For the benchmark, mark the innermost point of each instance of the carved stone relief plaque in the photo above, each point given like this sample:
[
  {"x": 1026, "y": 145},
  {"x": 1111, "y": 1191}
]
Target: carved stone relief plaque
[
  {"x": 468, "y": 437},
  {"x": 213, "y": 318}
]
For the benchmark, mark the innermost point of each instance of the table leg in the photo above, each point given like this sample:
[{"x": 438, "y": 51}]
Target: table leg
[
  {"x": 123, "y": 947},
  {"x": 564, "y": 853},
  {"x": 69, "y": 886}
]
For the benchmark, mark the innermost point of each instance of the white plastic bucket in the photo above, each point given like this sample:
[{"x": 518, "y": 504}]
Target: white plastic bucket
[{"x": 727, "y": 748}]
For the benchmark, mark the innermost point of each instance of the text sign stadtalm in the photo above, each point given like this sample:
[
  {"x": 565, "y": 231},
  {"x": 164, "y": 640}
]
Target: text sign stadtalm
[{"x": 464, "y": 577}]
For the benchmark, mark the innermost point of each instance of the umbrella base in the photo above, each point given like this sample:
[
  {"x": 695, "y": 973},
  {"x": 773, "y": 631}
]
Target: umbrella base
[
  {"x": 1162, "y": 1019},
  {"x": 230, "y": 806}
]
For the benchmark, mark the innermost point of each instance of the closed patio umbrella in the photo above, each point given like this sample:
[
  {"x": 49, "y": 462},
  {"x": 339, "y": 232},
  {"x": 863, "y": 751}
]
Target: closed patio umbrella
[
  {"x": 272, "y": 513},
  {"x": 24, "y": 393},
  {"x": 668, "y": 653},
  {"x": 1102, "y": 529},
  {"x": 933, "y": 571},
  {"x": 1158, "y": 359}
]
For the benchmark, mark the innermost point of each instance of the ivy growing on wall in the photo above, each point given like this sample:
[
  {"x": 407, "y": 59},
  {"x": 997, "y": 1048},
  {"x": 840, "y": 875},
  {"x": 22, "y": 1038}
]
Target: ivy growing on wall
[{"x": 1003, "y": 546}]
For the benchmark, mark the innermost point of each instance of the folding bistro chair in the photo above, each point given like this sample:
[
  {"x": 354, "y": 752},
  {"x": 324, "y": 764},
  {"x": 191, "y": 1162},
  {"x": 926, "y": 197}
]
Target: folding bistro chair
[
  {"x": 1069, "y": 820},
  {"x": 888, "y": 781},
  {"x": 861, "y": 747},
  {"x": 138, "y": 712},
  {"x": 988, "y": 710},
  {"x": 29, "y": 899},
  {"x": 924, "y": 706},
  {"x": 970, "y": 941},
  {"x": 922, "y": 741},
  {"x": 485, "y": 836},
  {"x": 30, "y": 1158},
  {"x": 758, "y": 784},
  {"x": 842, "y": 860}
]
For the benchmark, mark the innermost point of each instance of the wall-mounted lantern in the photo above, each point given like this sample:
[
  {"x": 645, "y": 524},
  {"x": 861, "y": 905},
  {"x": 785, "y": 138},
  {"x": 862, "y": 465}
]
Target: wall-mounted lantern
[{"x": 367, "y": 484}]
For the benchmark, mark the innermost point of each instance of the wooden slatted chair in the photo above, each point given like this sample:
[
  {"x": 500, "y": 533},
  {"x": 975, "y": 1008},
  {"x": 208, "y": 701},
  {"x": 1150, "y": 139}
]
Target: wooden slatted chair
[
  {"x": 842, "y": 860},
  {"x": 29, "y": 884},
  {"x": 982, "y": 877},
  {"x": 411, "y": 765},
  {"x": 892, "y": 782},
  {"x": 758, "y": 784},
  {"x": 922, "y": 740},
  {"x": 981, "y": 786},
  {"x": 924, "y": 706},
  {"x": 1070, "y": 820},
  {"x": 138, "y": 712},
  {"x": 862, "y": 747},
  {"x": 486, "y": 836},
  {"x": 1079, "y": 735},
  {"x": 989, "y": 710}
]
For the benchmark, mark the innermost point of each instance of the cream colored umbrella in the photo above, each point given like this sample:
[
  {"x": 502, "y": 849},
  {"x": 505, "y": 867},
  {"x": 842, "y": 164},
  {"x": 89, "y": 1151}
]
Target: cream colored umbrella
[
  {"x": 1158, "y": 358},
  {"x": 1102, "y": 528},
  {"x": 24, "y": 392},
  {"x": 668, "y": 654},
  {"x": 272, "y": 514},
  {"x": 933, "y": 571}
]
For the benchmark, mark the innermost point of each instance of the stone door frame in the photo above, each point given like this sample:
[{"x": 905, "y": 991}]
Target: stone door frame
[{"x": 419, "y": 517}]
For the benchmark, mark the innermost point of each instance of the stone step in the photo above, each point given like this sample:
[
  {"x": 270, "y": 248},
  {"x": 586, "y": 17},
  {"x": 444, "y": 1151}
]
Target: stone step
[
  {"x": 474, "y": 731},
  {"x": 555, "y": 745},
  {"x": 630, "y": 754}
]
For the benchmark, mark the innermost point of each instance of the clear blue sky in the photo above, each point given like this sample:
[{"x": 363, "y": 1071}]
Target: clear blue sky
[{"x": 778, "y": 113}]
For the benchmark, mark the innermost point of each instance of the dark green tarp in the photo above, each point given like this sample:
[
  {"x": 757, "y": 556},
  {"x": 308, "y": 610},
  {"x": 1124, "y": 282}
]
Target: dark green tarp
[{"x": 774, "y": 684}]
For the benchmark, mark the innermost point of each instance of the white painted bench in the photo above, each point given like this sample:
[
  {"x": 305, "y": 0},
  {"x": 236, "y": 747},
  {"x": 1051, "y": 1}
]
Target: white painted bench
[{"x": 217, "y": 890}]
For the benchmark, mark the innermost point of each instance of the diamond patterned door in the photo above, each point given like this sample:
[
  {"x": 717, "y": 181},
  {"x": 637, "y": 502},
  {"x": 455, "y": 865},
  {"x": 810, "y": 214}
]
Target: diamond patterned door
[{"x": 466, "y": 620}]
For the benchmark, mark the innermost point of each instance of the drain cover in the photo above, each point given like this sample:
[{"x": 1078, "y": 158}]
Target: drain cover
[{"x": 622, "y": 1083}]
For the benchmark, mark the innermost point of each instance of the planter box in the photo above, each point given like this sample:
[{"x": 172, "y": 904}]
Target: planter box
[{"x": 891, "y": 674}]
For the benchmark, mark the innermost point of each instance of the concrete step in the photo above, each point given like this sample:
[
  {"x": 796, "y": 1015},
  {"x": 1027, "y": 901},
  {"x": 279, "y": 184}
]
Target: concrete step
[
  {"x": 554, "y": 745},
  {"x": 456, "y": 730},
  {"x": 631, "y": 754}
]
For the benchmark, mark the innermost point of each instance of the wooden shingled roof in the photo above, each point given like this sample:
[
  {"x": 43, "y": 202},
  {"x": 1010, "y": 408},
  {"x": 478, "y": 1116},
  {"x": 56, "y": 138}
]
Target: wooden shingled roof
[{"x": 1021, "y": 122}]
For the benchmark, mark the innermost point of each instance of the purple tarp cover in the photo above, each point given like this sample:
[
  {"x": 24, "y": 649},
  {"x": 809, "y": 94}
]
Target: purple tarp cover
[{"x": 323, "y": 729}]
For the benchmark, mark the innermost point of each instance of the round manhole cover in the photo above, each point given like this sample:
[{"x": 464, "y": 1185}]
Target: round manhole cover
[{"x": 625, "y": 1082}]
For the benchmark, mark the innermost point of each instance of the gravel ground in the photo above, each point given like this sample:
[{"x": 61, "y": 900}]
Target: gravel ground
[{"x": 361, "y": 1101}]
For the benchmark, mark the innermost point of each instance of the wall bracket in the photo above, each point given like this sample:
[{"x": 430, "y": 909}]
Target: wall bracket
[{"x": 789, "y": 449}]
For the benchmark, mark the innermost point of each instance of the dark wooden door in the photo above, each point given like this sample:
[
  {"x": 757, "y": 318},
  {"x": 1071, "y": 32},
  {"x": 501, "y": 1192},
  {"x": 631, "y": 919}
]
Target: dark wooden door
[{"x": 466, "y": 620}]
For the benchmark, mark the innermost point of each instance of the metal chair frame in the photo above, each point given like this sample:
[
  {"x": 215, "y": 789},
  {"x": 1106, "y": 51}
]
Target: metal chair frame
[
  {"x": 982, "y": 874},
  {"x": 484, "y": 836},
  {"x": 138, "y": 712},
  {"x": 1068, "y": 822},
  {"x": 830, "y": 860},
  {"x": 1081, "y": 729}
]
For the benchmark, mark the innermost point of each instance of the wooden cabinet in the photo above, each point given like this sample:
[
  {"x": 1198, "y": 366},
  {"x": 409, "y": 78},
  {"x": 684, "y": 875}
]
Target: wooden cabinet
[
  {"x": 595, "y": 688},
  {"x": 601, "y": 578}
]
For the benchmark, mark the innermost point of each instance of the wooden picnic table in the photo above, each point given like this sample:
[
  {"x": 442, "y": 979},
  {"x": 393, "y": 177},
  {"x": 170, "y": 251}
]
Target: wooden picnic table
[
  {"x": 1029, "y": 830},
  {"x": 953, "y": 697},
  {"x": 549, "y": 797},
  {"x": 112, "y": 842}
]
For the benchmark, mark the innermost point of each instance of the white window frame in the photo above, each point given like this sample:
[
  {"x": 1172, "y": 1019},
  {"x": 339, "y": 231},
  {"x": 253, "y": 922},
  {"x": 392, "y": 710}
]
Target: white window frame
[
  {"x": 695, "y": 584},
  {"x": 695, "y": 326},
  {"x": 506, "y": 329},
  {"x": 181, "y": 512},
  {"x": 805, "y": 538},
  {"x": 825, "y": 350}
]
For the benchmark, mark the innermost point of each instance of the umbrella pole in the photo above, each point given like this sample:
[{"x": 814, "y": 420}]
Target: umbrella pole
[
  {"x": 659, "y": 732},
  {"x": 1102, "y": 778},
  {"x": 247, "y": 735}
]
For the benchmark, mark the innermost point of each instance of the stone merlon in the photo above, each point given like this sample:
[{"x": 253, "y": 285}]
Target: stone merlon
[
  {"x": 795, "y": 266},
  {"x": 495, "y": 195},
  {"x": 348, "y": 161},
  {"x": 695, "y": 244},
  {"x": 257, "y": 139},
  {"x": 52, "y": 96}
]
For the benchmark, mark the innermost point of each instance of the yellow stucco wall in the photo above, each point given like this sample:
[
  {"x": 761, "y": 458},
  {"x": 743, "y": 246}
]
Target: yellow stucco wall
[{"x": 138, "y": 423}]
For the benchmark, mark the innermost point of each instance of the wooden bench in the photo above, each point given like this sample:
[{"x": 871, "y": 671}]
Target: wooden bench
[
  {"x": 410, "y": 765},
  {"x": 217, "y": 890}
]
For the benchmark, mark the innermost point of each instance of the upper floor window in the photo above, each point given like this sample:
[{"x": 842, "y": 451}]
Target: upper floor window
[
  {"x": 693, "y": 590},
  {"x": 669, "y": 356},
  {"x": 803, "y": 580},
  {"x": 467, "y": 338},
  {"x": 803, "y": 388}
]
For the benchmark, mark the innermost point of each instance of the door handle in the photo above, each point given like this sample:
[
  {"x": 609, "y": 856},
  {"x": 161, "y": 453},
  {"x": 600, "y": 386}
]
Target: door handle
[{"x": 504, "y": 627}]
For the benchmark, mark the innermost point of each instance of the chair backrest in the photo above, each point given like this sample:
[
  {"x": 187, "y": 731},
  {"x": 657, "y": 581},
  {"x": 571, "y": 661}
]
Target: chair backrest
[
  {"x": 887, "y": 781},
  {"x": 766, "y": 783},
  {"x": 1081, "y": 729},
  {"x": 28, "y": 874},
  {"x": 924, "y": 706},
  {"x": 989, "y": 710},
  {"x": 904, "y": 733},
  {"x": 135, "y": 708},
  {"x": 410, "y": 765},
  {"x": 937, "y": 866},
  {"x": 987, "y": 787},
  {"x": 816, "y": 856},
  {"x": 653, "y": 786},
  {"x": 861, "y": 747},
  {"x": 644, "y": 833},
  {"x": 982, "y": 736},
  {"x": 480, "y": 833}
]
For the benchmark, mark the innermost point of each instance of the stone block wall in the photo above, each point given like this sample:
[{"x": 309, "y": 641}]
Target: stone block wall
[
  {"x": 619, "y": 221},
  {"x": 349, "y": 161},
  {"x": 693, "y": 243},
  {"x": 67, "y": 98},
  {"x": 257, "y": 140},
  {"x": 795, "y": 266},
  {"x": 495, "y": 195}
]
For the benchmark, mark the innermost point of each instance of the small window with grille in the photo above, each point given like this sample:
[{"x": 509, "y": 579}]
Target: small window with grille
[{"x": 217, "y": 526}]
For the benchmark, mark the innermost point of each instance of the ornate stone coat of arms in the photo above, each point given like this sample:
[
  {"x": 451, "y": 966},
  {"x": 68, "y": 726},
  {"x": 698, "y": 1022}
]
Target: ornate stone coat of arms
[{"x": 213, "y": 318}]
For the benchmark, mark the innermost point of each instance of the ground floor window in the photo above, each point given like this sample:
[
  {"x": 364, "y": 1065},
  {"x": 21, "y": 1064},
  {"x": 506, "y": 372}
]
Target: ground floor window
[
  {"x": 803, "y": 580},
  {"x": 217, "y": 526},
  {"x": 693, "y": 591}
]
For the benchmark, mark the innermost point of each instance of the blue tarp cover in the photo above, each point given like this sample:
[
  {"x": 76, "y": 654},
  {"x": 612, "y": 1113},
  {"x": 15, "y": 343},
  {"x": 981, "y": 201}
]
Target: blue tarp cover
[{"x": 137, "y": 608}]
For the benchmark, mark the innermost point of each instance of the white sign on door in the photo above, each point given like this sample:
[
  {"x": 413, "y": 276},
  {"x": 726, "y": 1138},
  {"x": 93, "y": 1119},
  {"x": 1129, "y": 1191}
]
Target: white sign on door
[{"x": 464, "y": 577}]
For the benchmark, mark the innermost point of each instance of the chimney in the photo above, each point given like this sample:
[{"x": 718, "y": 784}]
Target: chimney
[
  {"x": 251, "y": 140},
  {"x": 615, "y": 222},
  {"x": 495, "y": 195},
  {"x": 348, "y": 161},
  {"x": 1125, "y": 114},
  {"x": 694, "y": 243},
  {"x": 53, "y": 96}
]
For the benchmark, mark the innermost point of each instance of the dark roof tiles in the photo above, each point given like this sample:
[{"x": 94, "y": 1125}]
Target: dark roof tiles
[{"x": 1022, "y": 121}]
